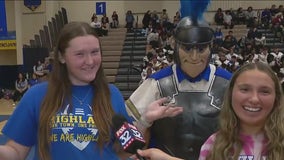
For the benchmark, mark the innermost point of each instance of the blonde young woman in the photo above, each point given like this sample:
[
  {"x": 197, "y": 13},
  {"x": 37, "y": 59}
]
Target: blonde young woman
[{"x": 251, "y": 119}]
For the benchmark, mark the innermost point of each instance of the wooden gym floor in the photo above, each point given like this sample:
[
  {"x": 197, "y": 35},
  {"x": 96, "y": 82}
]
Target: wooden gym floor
[{"x": 6, "y": 109}]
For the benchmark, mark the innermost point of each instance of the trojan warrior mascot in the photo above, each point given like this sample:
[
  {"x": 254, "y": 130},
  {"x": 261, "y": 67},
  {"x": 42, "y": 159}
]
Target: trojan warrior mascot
[{"x": 192, "y": 82}]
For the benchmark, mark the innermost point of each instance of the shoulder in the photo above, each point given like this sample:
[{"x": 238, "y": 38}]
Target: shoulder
[
  {"x": 220, "y": 72},
  {"x": 165, "y": 72},
  {"x": 116, "y": 95},
  {"x": 37, "y": 91},
  {"x": 113, "y": 88},
  {"x": 38, "y": 88},
  {"x": 117, "y": 101},
  {"x": 211, "y": 139},
  {"x": 207, "y": 147}
]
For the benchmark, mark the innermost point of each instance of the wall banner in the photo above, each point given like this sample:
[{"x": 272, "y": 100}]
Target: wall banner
[
  {"x": 3, "y": 20},
  {"x": 8, "y": 45},
  {"x": 32, "y": 4}
]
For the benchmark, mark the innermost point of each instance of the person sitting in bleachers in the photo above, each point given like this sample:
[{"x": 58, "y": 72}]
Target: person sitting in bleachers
[
  {"x": 251, "y": 17},
  {"x": 266, "y": 18},
  {"x": 93, "y": 17},
  {"x": 277, "y": 54},
  {"x": 156, "y": 63},
  {"x": 160, "y": 55},
  {"x": 164, "y": 18},
  {"x": 257, "y": 38},
  {"x": 263, "y": 55},
  {"x": 273, "y": 10},
  {"x": 246, "y": 51},
  {"x": 228, "y": 20},
  {"x": 274, "y": 60},
  {"x": 105, "y": 25},
  {"x": 38, "y": 69},
  {"x": 242, "y": 42},
  {"x": 155, "y": 21},
  {"x": 129, "y": 19},
  {"x": 146, "y": 19},
  {"x": 218, "y": 36},
  {"x": 167, "y": 41},
  {"x": 240, "y": 16},
  {"x": 146, "y": 72},
  {"x": 233, "y": 64},
  {"x": 176, "y": 18},
  {"x": 251, "y": 57},
  {"x": 147, "y": 59},
  {"x": 169, "y": 59},
  {"x": 115, "y": 21},
  {"x": 221, "y": 60},
  {"x": 153, "y": 39},
  {"x": 219, "y": 17},
  {"x": 252, "y": 33},
  {"x": 278, "y": 26},
  {"x": 97, "y": 25},
  {"x": 48, "y": 65},
  {"x": 280, "y": 9},
  {"x": 232, "y": 53},
  {"x": 33, "y": 80},
  {"x": 233, "y": 14},
  {"x": 229, "y": 43},
  {"x": 21, "y": 86}
]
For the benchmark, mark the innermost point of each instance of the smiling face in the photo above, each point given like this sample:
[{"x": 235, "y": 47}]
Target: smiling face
[
  {"x": 194, "y": 60},
  {"x": 83, "y": 59},
  {"x": 253, "y": 98}
]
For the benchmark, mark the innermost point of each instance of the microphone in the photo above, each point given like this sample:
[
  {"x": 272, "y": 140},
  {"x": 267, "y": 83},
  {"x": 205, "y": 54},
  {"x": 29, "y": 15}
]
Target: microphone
[{"x": 129, "y": 137}]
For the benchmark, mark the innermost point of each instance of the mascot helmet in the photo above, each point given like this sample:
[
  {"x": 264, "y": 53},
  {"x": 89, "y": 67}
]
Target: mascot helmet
[
  {"x": 189, "y": 32},
  {"x": 192, "y": 29}
]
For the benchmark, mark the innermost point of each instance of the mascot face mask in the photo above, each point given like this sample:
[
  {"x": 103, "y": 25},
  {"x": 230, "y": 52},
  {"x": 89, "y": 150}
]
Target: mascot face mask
[
  {"x": 194, "y": 59},
  {"x": 192, "y": 40}
]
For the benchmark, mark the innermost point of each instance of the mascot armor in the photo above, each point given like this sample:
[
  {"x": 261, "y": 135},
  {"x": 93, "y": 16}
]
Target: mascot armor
[
  {"x": 183, "y": 135},
  {"x": 193, "y": 84}
]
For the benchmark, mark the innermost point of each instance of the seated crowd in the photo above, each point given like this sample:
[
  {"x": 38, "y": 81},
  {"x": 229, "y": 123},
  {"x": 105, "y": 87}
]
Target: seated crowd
[
  {"x": 228, "y": 51},
  {"x": 101, "y": 26},
  {"x": 25, "y": 81}
]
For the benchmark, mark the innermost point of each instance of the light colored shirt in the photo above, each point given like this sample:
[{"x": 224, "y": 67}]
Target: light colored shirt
[{"x": 253, "y": 147}]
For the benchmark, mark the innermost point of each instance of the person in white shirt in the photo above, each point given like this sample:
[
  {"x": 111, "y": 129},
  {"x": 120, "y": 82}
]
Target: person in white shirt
[
  {"x": 97, "y": 25},
  {"x": 228, "y": 20},
  {"x": 263, "y": 55}
]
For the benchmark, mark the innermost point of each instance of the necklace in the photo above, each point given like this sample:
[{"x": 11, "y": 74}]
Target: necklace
[{"x": 81, "y": 101}]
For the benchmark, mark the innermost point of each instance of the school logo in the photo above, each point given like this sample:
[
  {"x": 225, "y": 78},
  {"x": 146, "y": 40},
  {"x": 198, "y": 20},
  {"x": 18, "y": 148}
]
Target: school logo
[
  {"x": 32, "y": 4},
  {"x": 77, "y": 128}
]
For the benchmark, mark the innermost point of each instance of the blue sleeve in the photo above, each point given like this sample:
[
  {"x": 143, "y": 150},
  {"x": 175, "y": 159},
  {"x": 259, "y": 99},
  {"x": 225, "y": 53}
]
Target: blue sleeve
[
  {"x": 118, "y": 104},
  {"x": 22, "y": 126},
  {"x": 223, "y": 73},
  {"x": 162, "y": 73}
]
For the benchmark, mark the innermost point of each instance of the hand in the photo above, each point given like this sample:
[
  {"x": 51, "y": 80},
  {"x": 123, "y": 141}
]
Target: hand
[
  {"x": 156, "y": 110},
  {"x": 154, "y": 154}
]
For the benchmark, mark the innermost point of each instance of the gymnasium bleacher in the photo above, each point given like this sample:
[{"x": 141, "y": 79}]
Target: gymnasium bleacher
[{"x": 122, "y": 52}]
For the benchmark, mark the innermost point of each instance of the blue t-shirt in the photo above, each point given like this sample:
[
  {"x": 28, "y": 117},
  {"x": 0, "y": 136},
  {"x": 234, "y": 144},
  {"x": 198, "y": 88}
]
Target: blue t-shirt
[
  {"x": 33, "y": 82},
  {"x": 74, "y": 132}
]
